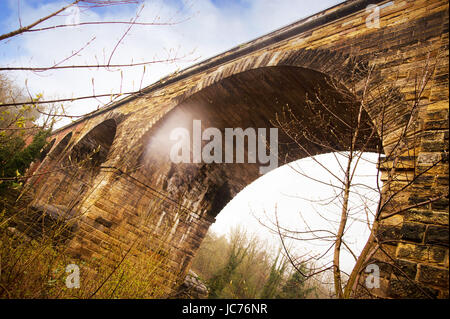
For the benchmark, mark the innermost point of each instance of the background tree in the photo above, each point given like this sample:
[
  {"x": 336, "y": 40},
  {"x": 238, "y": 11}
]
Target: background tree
[
  {"x": 17, "y": 124},
  {"x": 295, "y": 287},
  {"x": 239, "y": 247},
  {"x": 273, "y": 283},
  {"x": 263, "y": 272}
]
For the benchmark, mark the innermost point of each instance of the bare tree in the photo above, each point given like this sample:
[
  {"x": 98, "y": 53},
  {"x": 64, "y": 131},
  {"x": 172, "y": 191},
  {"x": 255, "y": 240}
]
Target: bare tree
[
  {"x": 350, "y": 136},
  {"x": 46, "y": 24}
]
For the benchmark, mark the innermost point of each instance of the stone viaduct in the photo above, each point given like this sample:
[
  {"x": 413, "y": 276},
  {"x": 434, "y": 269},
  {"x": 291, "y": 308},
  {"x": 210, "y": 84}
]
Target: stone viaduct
[{"x": 130, "y": 188}]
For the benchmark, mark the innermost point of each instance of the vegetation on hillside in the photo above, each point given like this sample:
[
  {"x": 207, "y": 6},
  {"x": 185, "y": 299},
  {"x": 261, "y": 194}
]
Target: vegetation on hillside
[
  {"x": 245, "y": 267},
  {"x": 33, "y": 262}
]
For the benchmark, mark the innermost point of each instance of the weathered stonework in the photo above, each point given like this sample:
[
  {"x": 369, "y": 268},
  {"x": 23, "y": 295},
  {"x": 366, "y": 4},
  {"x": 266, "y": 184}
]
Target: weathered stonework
[{"x": 245, "y": 87}]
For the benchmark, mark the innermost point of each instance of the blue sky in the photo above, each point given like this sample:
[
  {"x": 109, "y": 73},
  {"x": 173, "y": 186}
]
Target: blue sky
[
  {"x": 9, "y": 11},
  {"x": 9, "y": 8}
]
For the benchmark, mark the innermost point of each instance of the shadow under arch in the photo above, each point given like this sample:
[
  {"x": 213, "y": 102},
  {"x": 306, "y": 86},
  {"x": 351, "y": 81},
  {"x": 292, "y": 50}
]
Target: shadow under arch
[
  {"x": 60, "y": 147},
  {"x": 46, "y": 150},
  {"x": 258, "y": 98}
]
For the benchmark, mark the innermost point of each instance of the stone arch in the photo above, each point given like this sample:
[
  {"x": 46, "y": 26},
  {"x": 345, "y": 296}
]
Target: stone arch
[
  {"x": 400, "y": 47},
  {"x": 249, "y": 99},
  {"x": 113, "y": 120},
  {"x": 93, "y": 148},
  {"x": 79, "y": 165},
  {"x": 338, "y": 66}
]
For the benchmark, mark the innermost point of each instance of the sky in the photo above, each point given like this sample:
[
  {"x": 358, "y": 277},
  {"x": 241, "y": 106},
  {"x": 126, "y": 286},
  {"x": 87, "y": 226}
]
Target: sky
[{"x": 197, "y": 30}]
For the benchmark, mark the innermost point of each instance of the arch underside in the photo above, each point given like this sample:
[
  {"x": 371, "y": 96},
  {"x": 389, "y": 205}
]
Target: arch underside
[{"x": 313, "y": 115}]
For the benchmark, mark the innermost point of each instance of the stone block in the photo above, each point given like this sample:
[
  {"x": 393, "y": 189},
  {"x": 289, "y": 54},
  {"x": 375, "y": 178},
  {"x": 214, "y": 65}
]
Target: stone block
[
  {"x": 406, "y": 289},
  {"x": 437, "y": 235},
  {"x": 433, "y": 275},
  {"x": 412, "y": 232},
  {"x": 412, "y": 252}
]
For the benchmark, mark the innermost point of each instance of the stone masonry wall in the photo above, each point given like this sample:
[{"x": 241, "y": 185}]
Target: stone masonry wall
[{"x": 127, "y": 200}]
